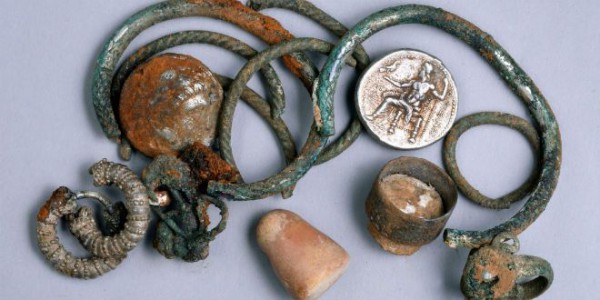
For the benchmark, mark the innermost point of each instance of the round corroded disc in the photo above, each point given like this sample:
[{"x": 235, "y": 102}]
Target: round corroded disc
[
  {"x": 407, "y": 99},
  {"x": 168, "y": 103}
]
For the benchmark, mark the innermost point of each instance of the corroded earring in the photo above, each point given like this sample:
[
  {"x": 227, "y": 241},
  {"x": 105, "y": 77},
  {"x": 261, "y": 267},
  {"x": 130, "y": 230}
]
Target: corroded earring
[{"x": 107, "y": 251}]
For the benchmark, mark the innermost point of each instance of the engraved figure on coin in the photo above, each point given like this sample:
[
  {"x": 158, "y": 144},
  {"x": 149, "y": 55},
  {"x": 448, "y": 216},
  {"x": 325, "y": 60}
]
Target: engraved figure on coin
[{"x": 408, "y": 98}]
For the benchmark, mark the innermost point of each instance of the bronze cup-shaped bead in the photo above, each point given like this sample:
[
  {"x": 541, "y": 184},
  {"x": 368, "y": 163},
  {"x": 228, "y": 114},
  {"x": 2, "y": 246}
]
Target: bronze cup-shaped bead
[{"x": 409, "y": 204}]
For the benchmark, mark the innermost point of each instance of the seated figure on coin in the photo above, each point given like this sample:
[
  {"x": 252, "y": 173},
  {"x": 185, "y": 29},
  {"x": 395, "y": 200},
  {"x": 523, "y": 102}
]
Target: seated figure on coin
[{"x": 408, "y": 101}]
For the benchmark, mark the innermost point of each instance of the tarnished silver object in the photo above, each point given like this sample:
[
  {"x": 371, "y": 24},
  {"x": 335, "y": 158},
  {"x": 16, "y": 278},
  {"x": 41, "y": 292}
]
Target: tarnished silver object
[
  {"x": 107, "y": 251},
  {"x": 407, "y": 99}
]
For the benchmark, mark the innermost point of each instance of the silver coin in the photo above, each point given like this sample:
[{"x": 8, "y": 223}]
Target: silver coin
[{"x": 407, "y": 99}]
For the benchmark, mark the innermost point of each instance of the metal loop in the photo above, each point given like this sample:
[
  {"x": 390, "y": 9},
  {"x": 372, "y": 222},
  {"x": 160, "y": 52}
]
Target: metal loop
[
  {"x": 94, "y": 195},
  {"x": 84, "y": 227},
  {"x": 223, "y": 211},
  {"x": 501, "y": 241},
  {"x": 182, "y": 230},
  {"x": 495, "y": 118},
  {"x": 107, "y": 251},
  {"x": 311, "y": 150},
  {"x": 307, "y": 9}
]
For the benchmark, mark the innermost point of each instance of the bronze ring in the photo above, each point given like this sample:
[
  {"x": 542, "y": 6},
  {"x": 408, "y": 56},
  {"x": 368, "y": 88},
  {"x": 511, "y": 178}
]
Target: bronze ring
[{"x": 493, "y": 118}]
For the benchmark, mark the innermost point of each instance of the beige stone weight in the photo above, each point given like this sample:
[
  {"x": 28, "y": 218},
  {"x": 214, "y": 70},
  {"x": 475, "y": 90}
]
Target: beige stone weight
[{"x": 306, "y": 261}]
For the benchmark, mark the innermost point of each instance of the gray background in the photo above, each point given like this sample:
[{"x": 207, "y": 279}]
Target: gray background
[{"x": 50, "y": 137}]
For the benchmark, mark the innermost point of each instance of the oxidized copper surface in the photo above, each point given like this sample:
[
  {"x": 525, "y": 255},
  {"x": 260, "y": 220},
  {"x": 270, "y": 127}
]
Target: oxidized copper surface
[{"x": 169, "y": 103}]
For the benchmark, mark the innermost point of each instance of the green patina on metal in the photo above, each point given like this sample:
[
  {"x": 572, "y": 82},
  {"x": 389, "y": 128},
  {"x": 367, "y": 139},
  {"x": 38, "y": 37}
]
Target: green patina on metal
[
  {"x": 166, "y": 171},
  {"x": 492, "y": 271},
  {"x": 254, "y": 100},
  {"x": 226, "y": 117},
  {"x": 492, "y": 118},
  {"x": 495, "y": 272},
  {"x": 323, "y": 94},
  {"x": 307, "y": 9},
  {"x": 311, "y": 149},
  {"x": 183, "y": 227},
  {"x": 508, "y": 69}
]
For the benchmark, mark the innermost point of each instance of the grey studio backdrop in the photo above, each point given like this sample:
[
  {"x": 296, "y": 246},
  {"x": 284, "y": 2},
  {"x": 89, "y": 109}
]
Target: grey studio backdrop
[{"x": 50, "y": 136}]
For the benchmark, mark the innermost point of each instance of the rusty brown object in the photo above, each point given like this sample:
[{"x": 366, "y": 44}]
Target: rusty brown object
[
  {"x": 58, "y": 199},
  {"x": 208, "y": 166},
  {"x": 402, "y": 226},
  {"x": 262, "y": 26},
  {"x": 231, "y": 11},
  {"x": 169, "y": 103}
]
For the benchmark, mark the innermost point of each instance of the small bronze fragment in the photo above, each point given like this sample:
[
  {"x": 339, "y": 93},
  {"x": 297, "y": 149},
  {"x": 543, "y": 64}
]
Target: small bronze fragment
[
  {"x": 182, "y": 230},
  {"x": 495, "y": 272},
  {"x": 207, "y": 165},
  {"x": 409, "y": 204}
]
